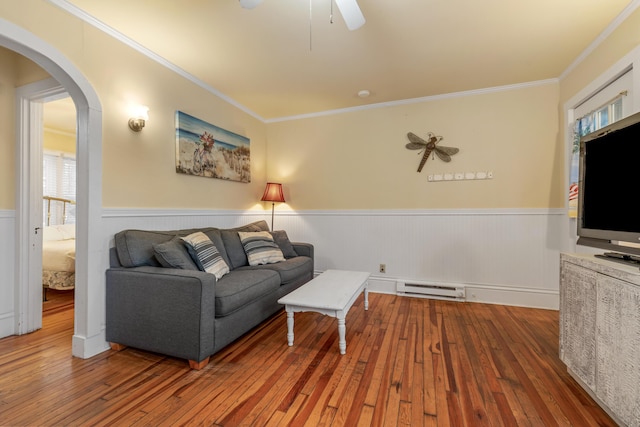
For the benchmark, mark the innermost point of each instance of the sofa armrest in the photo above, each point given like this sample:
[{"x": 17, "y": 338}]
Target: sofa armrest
[
  {"x": 163, "y": 310},
  {"x": 303, "y": 249}
]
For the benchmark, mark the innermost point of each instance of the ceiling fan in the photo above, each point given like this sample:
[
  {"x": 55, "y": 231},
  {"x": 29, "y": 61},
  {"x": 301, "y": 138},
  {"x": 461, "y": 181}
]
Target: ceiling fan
[{"x": 349, "y": 9}]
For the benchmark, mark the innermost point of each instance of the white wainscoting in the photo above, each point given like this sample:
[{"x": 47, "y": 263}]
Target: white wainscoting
[
  {"x": 7, "y": 267},
  {"x": 502, "y": 256}
]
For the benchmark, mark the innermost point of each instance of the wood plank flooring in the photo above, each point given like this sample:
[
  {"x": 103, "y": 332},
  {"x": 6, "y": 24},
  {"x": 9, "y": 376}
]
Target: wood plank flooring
[{"x": 409, "y": 362}]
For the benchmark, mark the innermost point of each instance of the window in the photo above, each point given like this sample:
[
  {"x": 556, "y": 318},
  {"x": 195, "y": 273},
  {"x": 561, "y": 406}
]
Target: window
[
  {"x": 608, "y": 105},
  {"x": 59, "y": 181},
  {"x": 605, "y": 115}
]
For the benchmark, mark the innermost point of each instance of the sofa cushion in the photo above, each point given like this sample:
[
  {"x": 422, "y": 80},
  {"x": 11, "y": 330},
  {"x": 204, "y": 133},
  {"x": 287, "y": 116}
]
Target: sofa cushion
[
  {"x": 254, "y": 226},
  {"x": 205, "y": 254},
  {"x": 289, "y": 271},
  {"x": 135, "y": 247},
  {"x": 234, "y": 248},
  {"x": 232, "y": 244},
  {"x": 243, "y": 287},
  {"x": 260, "y": 247},
  {"x": 174, "y": 254},
  {"x": 282, "y": 240}
]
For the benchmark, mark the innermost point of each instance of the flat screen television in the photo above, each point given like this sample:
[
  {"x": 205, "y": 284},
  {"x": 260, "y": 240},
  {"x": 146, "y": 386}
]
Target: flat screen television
[{"x": 609, "y": 176}]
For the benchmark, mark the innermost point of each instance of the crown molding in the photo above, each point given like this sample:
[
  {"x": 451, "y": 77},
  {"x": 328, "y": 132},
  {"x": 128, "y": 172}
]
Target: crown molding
[
  {"x": 626, "y": 12},
  {"x": 419, "y": 100},
  {"x": 91, "y": 20},
  {"x": 79, "y": 13}
]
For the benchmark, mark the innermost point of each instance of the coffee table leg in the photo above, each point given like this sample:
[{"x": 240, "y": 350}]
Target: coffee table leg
[
  {"x": 366, "y": 298},
  {"x": 290, "y": 327},
  {"x": 342, "y": 332}
]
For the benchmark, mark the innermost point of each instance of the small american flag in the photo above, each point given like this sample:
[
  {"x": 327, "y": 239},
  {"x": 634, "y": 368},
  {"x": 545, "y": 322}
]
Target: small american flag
[{"x": 573, "y": 191}]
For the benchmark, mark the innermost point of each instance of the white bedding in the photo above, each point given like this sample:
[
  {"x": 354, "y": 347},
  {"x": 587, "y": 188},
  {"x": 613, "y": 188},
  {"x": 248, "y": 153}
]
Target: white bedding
[{"x": 59, "y": 255}]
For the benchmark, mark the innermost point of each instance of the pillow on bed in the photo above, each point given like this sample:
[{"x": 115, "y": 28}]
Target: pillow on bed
[
  {"x": 205, "y": 254},
  {"x": 260, "y": 248},
  {"x": 174, "y": 254},
  {"x": 51, "y": 233},
  {"x": 59, "y": 232},
  {"x": 68, "y": 231}
]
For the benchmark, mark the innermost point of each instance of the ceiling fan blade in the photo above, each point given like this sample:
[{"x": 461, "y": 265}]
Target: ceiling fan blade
[
  {"x": 249, "y": 4},
  {"x": 351, "y": 13}
]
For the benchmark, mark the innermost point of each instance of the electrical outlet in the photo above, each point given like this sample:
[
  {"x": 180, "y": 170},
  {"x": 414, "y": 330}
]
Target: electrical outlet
[{"x": 383, "y": 268}]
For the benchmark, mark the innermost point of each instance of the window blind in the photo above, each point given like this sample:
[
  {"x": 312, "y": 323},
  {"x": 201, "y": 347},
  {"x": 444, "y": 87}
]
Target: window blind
[{"x": 59, "y": 180}]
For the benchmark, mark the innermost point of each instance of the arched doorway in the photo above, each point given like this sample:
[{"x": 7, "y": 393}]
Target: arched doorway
[{"x": 88, "y": 338}]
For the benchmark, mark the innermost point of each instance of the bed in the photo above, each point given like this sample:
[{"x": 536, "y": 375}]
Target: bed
[
  {"x": 58, "y": 250},
  {"x": 59, "y": 257}
]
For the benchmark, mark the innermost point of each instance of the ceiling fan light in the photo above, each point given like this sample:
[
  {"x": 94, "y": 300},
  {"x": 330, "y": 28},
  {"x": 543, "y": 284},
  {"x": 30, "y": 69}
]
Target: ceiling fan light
[
  {"x": 351, "y": 13},
  {"x": 249, "y": 4}
]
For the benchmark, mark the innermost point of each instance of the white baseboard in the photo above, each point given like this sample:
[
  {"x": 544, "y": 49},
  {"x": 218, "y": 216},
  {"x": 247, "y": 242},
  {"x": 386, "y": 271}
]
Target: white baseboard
[
  {"x": 489, "y": 294},
  {"x": 519, "y": 297},
  {"x": 382, "y": 285},
  {"x": 86, "y": 347},
  {"x": 7, "y": 324}
]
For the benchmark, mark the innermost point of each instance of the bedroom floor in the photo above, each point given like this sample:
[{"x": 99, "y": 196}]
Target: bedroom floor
[{"x": 57, "y": 300}]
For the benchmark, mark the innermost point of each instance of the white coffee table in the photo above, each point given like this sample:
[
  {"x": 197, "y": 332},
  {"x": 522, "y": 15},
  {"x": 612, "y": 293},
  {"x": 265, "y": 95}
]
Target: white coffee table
[{"x": 332, "y": 293}]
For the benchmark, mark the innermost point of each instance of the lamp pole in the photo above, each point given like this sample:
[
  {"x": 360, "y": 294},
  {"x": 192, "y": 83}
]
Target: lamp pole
[
  {"x": 273, "y": 207},
  {"x": 273, "y": 193}
]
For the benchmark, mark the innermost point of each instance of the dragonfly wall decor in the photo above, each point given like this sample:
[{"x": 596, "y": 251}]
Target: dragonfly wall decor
[{"x": 430, "y": 146}]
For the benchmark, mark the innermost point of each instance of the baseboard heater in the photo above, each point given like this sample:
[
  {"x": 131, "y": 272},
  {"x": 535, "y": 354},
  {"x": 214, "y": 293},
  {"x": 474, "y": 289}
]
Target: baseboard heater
[{"x": 431, "y": 290}]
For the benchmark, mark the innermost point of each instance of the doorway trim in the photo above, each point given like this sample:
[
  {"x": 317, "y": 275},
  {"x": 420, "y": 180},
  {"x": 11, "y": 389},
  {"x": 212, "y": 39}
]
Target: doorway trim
[
  {"x": 88, "y": 338},
  {"x": 29, "y": 110}
]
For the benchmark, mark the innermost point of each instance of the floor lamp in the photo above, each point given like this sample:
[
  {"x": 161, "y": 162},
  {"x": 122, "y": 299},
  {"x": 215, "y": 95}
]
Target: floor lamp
[{"x": 273, "y": 194}]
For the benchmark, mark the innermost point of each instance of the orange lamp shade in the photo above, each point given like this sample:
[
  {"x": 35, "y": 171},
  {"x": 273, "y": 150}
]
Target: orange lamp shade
[{"x": 273, "y": 193}]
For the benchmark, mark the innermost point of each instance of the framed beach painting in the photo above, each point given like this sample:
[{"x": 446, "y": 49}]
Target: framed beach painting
[{"x": 203, "y": 149}]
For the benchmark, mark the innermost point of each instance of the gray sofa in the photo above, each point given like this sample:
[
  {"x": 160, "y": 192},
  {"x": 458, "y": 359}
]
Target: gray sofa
[{"x": 157, "y": 301}]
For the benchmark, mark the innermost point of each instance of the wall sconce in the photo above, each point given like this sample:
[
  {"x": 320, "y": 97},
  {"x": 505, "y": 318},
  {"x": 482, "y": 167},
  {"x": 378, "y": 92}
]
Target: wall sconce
[
  {"x": 273, "y": 194},
  {"x": 139, "y": 115}
]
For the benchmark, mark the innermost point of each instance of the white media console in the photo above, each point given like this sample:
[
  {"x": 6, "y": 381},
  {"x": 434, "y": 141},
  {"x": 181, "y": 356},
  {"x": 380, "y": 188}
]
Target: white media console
[{"x": 600, "y": 331}]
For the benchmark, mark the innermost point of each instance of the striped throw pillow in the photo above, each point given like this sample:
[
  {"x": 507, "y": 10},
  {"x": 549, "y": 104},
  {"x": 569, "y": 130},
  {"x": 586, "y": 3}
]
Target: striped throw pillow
[
  {"x": 260, "y": 247},
  {"x": 205, "y": 254}
]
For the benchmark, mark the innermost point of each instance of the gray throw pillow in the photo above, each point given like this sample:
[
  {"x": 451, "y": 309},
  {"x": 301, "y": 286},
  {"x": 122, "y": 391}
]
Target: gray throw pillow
[
  {"x": 282, "y": 240},
  {"x": 174, "y": 254}
]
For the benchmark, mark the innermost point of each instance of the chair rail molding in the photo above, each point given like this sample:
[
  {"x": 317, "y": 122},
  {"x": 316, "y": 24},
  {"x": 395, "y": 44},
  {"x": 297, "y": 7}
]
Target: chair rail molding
[{"x": 502, "y": 256}]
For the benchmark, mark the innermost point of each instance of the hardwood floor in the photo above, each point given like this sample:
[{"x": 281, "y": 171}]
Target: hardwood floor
[
  {"x": 57, "y": 300},
  {"x": 409, "y": 361}
]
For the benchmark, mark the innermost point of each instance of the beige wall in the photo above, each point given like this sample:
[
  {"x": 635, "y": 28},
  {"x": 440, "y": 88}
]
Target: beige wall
[
  {"x": 15, "y": 71},
  {"x": 8, "y": 73},
  {"x": 55, "y": 141},
  {"x": 355, "y": 160},
  {"x": 139, "y": 168},
  {"x": 623, "y": 40},
  {"x": 358, "y": 160},
  {"x": 28, "y": 71}
]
